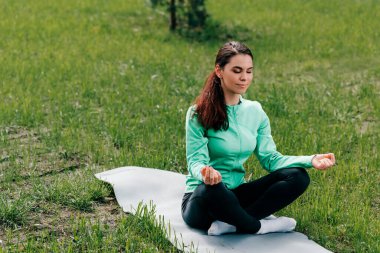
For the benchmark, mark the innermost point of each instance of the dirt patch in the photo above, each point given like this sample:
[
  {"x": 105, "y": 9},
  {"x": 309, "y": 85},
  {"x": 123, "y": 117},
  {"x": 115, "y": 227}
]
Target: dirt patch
[
  {"x": 25, "y": 159},
  {"x": 51, "y": 219},
  {"x": 23, "y": 155}
]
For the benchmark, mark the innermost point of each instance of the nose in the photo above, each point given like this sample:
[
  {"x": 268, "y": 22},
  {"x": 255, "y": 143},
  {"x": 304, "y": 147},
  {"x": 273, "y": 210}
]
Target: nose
[{"x": 243, "y": 76}]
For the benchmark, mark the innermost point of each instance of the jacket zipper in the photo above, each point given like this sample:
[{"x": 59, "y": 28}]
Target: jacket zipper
[{"x": 238, "y": 132}]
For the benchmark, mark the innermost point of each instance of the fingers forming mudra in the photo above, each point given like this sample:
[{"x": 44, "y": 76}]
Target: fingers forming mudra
[
  {"x": 210, "y": 175},
  {"x": 323, "y": 161}
]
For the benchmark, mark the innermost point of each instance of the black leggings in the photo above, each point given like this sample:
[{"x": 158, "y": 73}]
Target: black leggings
[{"x": 245, "y": 205}]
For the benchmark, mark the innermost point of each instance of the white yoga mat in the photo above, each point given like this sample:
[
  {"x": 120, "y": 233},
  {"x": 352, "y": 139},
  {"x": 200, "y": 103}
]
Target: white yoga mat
[{"x": 133, "y": 185}]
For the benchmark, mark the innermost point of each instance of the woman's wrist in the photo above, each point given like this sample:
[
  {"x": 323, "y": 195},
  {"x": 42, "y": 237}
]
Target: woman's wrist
[{"x": 312, "y": 158}]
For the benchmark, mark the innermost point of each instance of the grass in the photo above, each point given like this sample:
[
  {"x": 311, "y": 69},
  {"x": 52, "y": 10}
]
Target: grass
[
  {"x": 125, "y": 234},
  {"x": 87, "y": 86}
]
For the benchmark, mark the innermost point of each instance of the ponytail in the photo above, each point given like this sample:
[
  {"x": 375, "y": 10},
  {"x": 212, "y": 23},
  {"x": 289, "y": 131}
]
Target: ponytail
[{"x": 211, "y": 108}]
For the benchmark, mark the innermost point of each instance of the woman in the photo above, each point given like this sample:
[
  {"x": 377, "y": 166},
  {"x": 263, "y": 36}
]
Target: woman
[{"x": 222, "y": 131}]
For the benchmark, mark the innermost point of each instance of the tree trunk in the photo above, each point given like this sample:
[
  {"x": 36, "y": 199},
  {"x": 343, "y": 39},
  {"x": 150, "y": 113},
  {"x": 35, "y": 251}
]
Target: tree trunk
[{"x": 173, "y": 18}]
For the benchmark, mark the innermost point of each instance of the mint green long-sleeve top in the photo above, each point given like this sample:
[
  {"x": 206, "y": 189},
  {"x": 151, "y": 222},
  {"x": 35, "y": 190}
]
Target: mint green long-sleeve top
[{"x": 226, "y": 151}]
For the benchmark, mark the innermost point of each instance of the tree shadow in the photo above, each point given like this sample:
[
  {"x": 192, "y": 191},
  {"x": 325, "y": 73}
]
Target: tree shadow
[{"x": 215, "y": 32}]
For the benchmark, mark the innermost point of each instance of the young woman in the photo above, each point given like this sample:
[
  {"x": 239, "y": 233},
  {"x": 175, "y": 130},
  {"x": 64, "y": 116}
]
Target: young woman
[{"x": 222, "y": 131}]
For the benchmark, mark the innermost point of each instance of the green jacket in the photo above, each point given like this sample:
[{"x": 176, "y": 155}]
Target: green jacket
[{"x": 226, "y": 151}]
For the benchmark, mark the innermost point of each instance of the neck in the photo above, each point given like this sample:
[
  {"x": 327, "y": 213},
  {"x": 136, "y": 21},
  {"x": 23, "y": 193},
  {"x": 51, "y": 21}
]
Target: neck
[{"x": 232, "y": 99}]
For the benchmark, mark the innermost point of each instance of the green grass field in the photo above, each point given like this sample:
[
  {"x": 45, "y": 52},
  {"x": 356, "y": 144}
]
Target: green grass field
[{"x": 87, "y": 86}]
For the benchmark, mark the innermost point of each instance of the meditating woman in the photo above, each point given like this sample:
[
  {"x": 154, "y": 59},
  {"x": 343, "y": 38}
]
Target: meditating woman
[{"x": 222, "y": 131}]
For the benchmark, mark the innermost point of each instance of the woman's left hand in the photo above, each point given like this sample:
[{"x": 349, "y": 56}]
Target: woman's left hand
[{"x": 323, "y": 161}]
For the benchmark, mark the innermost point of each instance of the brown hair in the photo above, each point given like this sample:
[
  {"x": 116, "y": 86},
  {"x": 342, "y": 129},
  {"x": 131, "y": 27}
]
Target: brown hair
[{"x": 211, "y": 108}]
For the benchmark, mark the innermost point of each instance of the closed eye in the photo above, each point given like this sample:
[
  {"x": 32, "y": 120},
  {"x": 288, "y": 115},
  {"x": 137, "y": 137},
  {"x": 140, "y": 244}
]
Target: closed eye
[{"x": 238, "y": 70}]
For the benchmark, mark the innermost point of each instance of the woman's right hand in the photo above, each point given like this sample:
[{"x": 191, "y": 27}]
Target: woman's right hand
[{"x": 210, "y": 175}]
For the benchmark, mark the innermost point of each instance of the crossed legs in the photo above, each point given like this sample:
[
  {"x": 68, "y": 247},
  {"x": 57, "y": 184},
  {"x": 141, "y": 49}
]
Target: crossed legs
[{"x": 244, "y": 206}]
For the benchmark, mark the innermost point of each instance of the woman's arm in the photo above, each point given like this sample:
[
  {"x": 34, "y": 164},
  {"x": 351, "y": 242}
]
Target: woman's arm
[
  {"x": 271, "y": 160},
  {"x": 197, "y": 151},
  {"x": 196, "y": 145}
]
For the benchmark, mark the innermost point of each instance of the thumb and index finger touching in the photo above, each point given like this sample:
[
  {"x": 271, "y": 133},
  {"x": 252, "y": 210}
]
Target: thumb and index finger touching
[
  {"x": 330, "y": 156},
  {"x": 210, "y": 175}
]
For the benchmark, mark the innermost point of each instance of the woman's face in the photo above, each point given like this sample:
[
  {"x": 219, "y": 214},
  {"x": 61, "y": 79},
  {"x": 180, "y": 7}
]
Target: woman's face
[{"x": 236, "y": 76}]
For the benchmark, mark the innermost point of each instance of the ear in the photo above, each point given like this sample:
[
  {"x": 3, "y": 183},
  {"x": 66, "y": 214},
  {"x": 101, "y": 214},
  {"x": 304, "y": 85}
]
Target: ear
[{"x": 218, "y": 71}]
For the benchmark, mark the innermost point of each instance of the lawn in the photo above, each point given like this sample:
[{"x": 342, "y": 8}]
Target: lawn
[{"x": 87, "y": 86}]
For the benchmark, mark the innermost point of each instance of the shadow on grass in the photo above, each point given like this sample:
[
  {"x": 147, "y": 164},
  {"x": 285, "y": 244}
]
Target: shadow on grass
[{"x": 215, "y": 32}]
